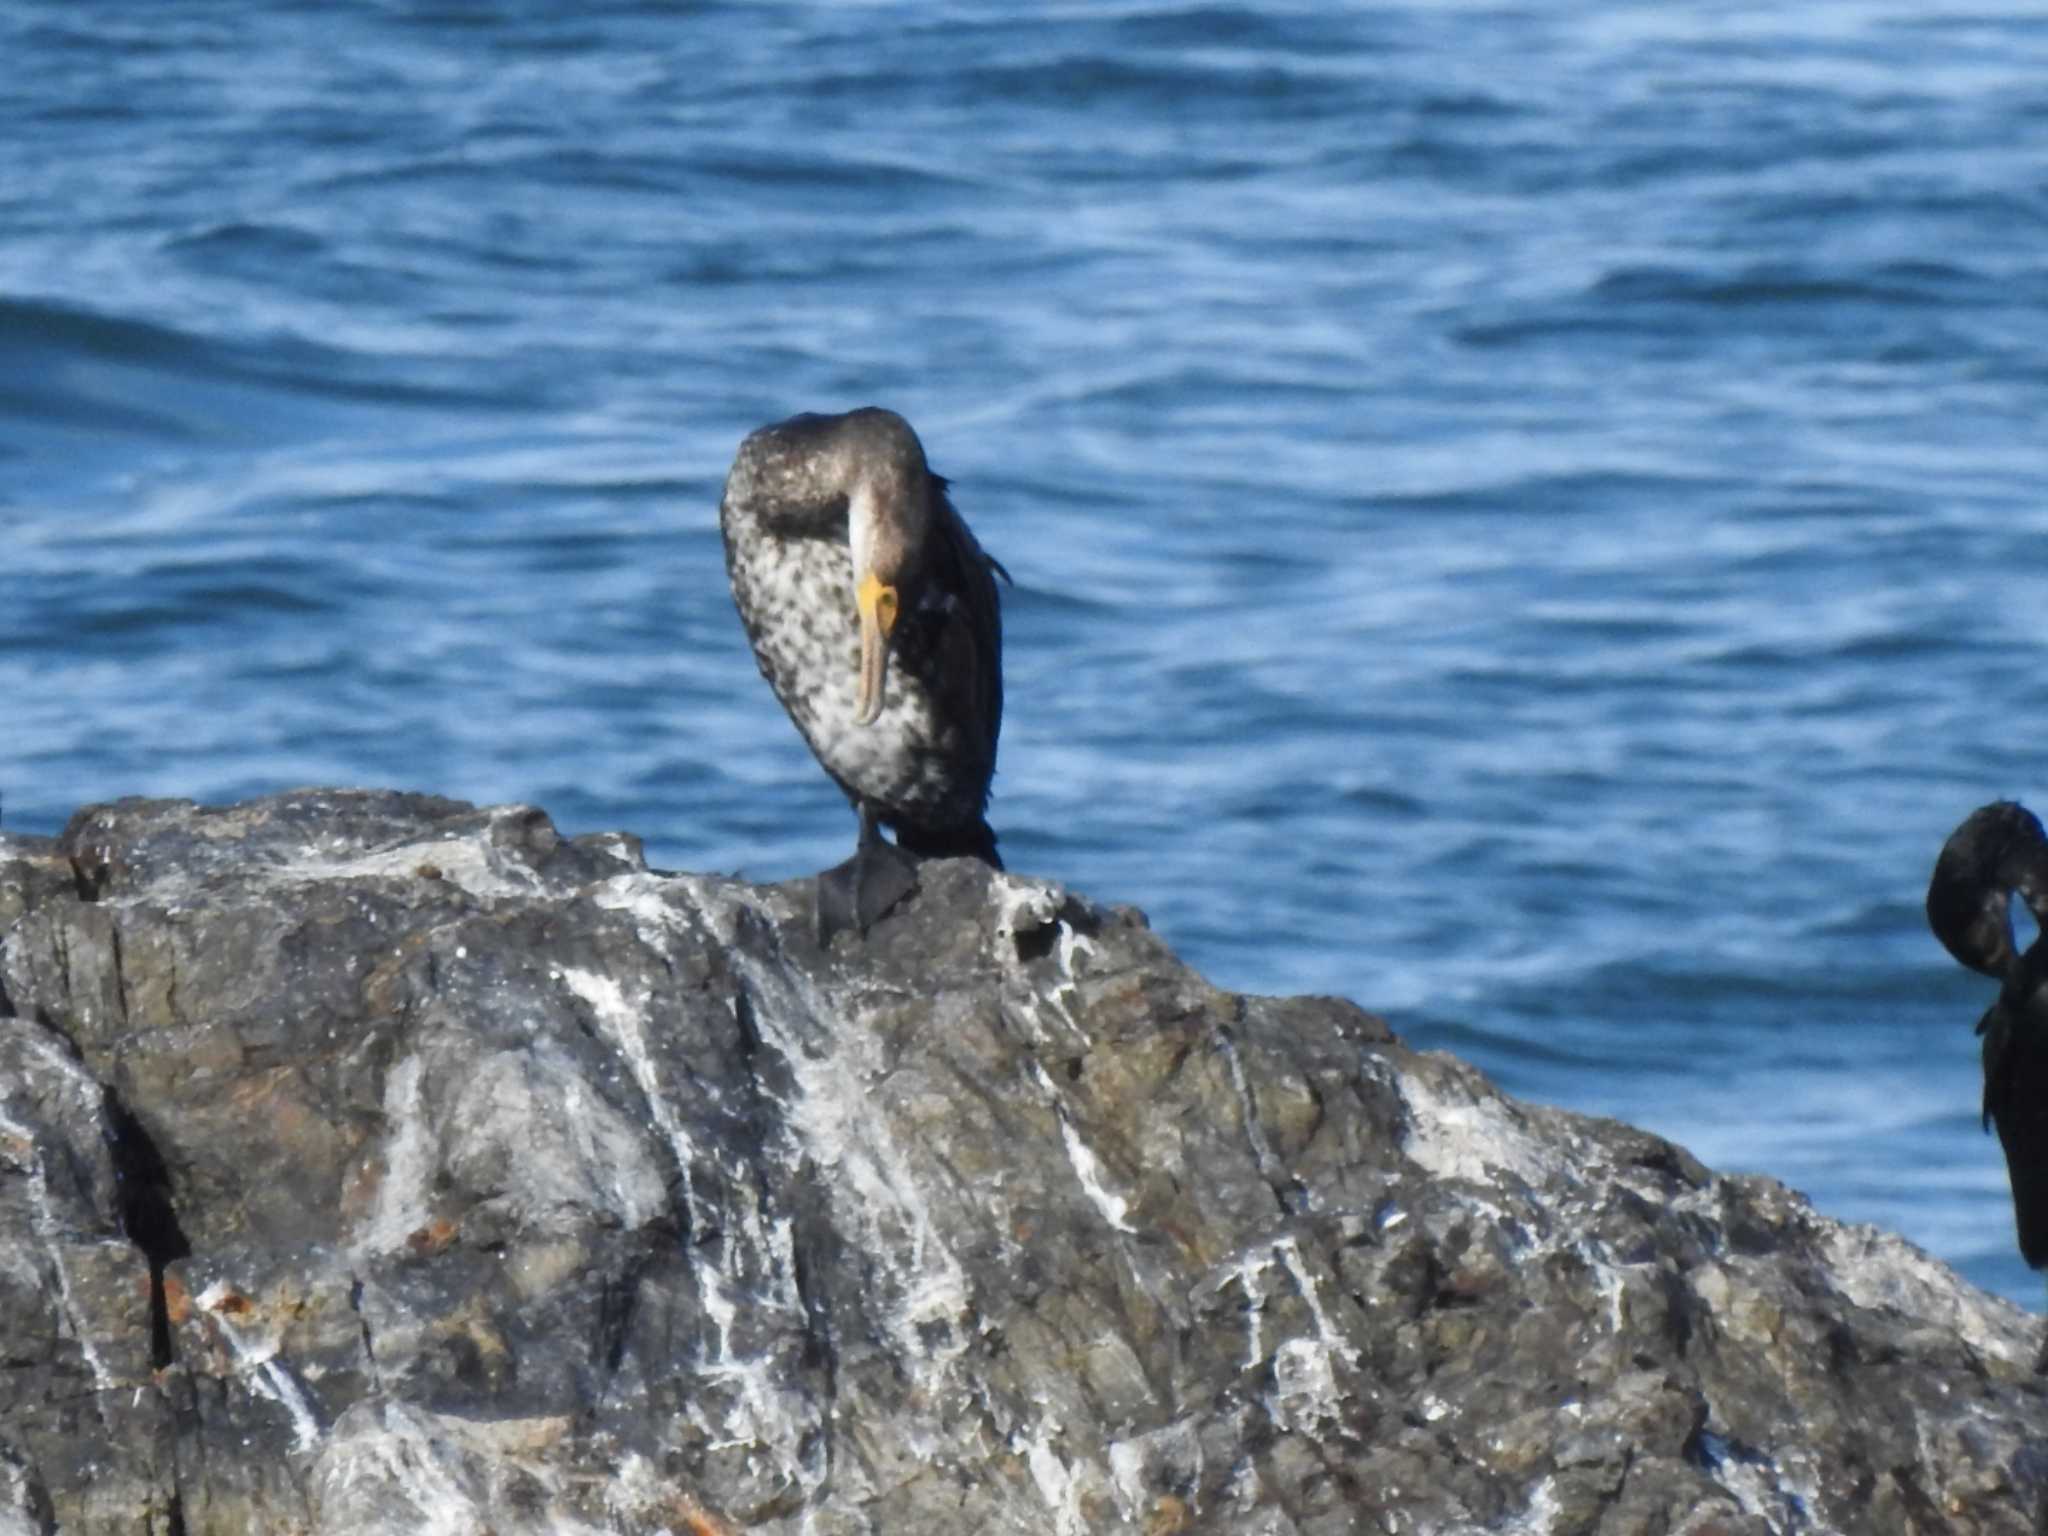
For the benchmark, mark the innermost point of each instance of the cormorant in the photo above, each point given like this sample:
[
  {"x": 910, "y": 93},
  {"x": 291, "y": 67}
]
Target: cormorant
[
  {"x": 872, "y": 612},
  {"x": 2000, "y": 851}
]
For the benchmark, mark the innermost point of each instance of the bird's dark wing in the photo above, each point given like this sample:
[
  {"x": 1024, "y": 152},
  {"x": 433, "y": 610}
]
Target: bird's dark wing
[
  {"x": 1996, "y": 1028},
  {"x": 976, "y": 630},
  {"x": 2016, "y": 1103}
]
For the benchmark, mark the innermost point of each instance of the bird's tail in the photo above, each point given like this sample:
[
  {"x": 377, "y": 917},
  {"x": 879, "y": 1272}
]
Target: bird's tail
[{"x": 972, "y": 840}]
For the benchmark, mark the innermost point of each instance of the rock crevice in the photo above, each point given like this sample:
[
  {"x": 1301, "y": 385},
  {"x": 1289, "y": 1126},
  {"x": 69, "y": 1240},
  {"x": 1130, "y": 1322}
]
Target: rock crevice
[{"x": 147, "y": 1215}]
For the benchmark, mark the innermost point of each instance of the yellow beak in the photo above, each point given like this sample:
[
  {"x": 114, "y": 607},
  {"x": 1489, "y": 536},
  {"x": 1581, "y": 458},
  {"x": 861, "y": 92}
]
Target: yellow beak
[{"x": 877, "y": 604}]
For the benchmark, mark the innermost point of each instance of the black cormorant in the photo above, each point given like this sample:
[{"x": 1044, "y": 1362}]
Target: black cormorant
[
  {"x": 1998, "y": 852},
  {"x": 872, "y": 612}
]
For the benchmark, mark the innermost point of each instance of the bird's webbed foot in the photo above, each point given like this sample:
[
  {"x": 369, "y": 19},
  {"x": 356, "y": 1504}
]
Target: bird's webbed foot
[{"x": 859, "y": 893}]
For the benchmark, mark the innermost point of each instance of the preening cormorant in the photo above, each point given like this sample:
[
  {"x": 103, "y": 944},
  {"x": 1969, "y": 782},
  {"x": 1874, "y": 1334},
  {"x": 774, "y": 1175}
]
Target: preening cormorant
[
  {"x": 1998, "y": 852},
  {"x": 872, "y": 612}
]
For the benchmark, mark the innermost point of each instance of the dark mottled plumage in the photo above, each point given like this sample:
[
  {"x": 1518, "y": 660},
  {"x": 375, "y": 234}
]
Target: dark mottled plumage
[
  {"x": 905, "y": 716},
  {"x": 1997, "y": 852}
]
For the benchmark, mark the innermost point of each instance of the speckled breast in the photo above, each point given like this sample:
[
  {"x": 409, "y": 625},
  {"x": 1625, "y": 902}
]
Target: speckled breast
[{"x": 795, "y": 597}]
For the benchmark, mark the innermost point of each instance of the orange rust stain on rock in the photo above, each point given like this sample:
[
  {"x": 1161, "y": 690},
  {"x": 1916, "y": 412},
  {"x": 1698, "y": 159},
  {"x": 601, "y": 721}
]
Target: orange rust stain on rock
[
  {"x": 234, "y": 1304},
  {"x": 433, "y": 1237},
  {"x": 1169, "y": 1517},
  {"x": 699, "y": 1521},
  {"x": 177, "y": 1301}
]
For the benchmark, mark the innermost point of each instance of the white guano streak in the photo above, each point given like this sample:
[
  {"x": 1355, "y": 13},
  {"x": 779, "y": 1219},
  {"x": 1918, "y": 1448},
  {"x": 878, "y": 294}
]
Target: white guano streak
[
  {"x": 260, "y": 1361},
  {"x": 44, "y": 1221},
  {"x": 1087, "y": 1166},
  {"x": 400, "y": 1208}
]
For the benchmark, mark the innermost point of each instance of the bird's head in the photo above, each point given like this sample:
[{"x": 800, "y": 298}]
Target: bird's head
[
  {"x": 888, "y": 528},
  {"x": 1999, "y": 851}
]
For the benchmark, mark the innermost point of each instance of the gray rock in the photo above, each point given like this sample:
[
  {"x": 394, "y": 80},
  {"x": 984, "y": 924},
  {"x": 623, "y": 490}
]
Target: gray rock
[{"x": 373, "y": 1163}]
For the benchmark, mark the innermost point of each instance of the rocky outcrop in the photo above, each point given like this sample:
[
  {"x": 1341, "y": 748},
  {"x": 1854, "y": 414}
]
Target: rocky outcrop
[{"x": 375, "y": 1163}]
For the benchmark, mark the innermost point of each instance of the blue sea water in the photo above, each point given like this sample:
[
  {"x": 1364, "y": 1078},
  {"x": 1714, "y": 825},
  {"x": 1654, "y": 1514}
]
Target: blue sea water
[{"x": 1530, "y": 515}]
